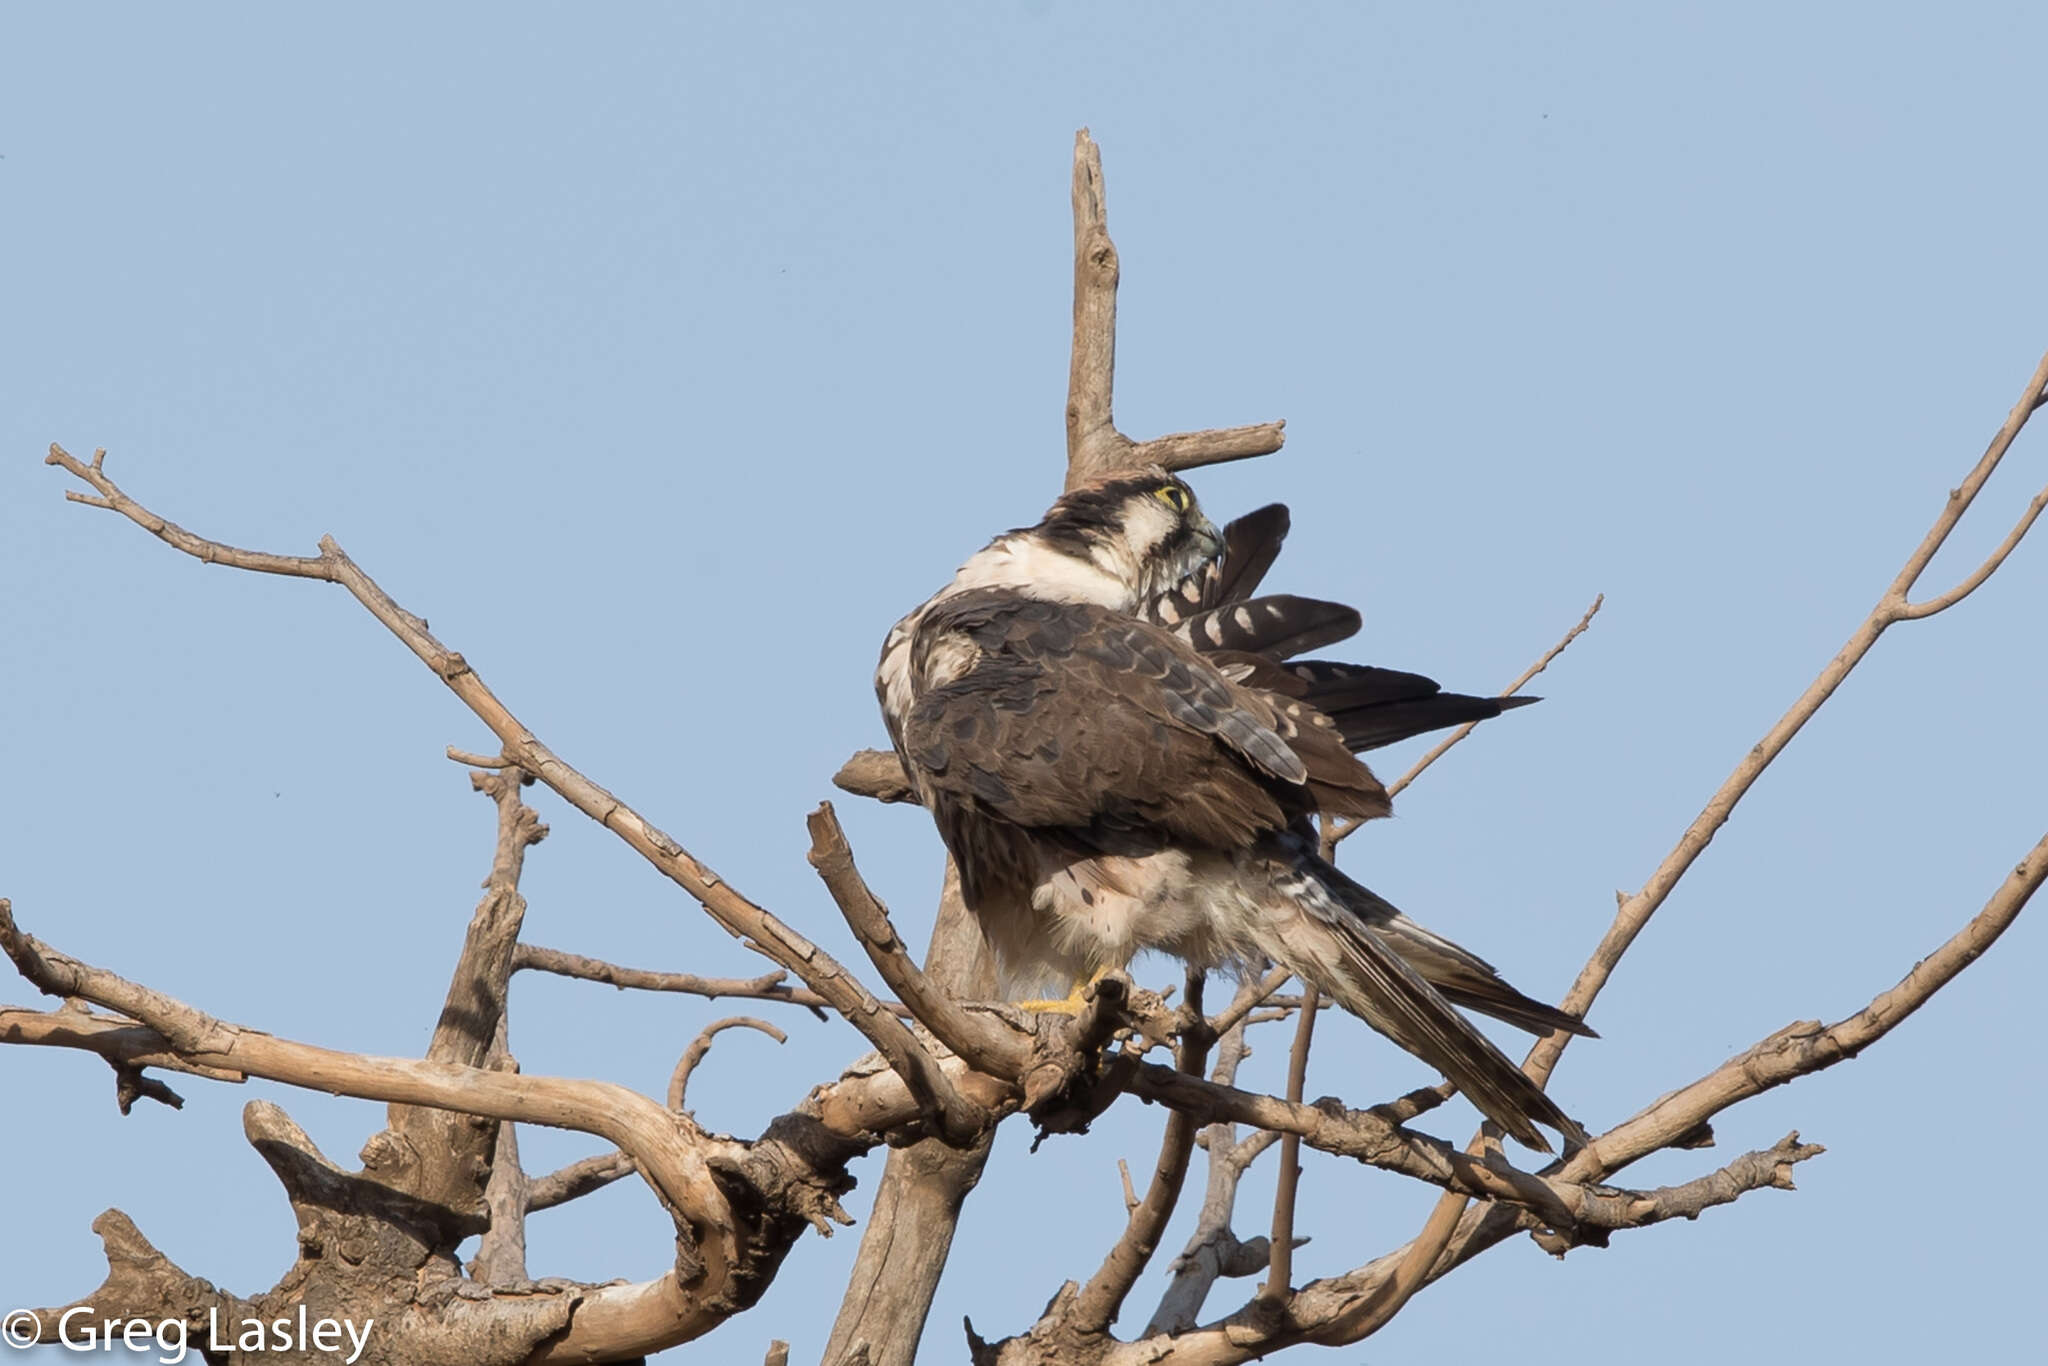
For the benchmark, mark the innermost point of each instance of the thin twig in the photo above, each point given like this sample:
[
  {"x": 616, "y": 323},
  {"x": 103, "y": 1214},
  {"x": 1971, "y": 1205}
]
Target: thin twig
[
  {"x": 1797, "y": 1050},
  {"x": 1280, "y": 1272},
  {"x": 1102, "y": 1298},
  {"x": 679, "y": 1080},
  {"x": 1245, "y": 1002},
  {"x": 1635, "y": 911},
  {"x": 1942, "y": 602},
  {"x": 1337, "y": 831},
  {"x": 1213, "y": 1250},
  {"x": 769, "y": 986}
]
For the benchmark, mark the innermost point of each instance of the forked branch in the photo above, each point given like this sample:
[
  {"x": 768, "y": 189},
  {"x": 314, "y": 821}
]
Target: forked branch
[{"x": 735, "y": 913}]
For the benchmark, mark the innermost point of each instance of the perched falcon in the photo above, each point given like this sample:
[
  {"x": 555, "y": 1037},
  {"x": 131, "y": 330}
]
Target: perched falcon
[{"x": 1102, "y": 723}]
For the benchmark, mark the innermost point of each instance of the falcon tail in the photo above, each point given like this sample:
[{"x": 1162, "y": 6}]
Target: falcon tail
[
  {"x": 1326, "y": 941},
  {"x": 1460, "y": 976},
  {"x": 1374, "y": 706}
]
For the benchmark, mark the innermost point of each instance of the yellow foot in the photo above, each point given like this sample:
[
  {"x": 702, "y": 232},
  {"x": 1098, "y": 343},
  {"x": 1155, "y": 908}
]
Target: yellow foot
[{"x": 1071, "y": 1003}]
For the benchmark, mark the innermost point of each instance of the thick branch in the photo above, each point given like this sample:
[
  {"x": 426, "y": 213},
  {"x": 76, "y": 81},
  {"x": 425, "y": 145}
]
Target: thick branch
[
  {"x": 667, "y": 1147},
  {"x": 740, "y": 917},
  {"x": 910, "y": 1228},
  {"x": 975, "y": 1036},
  {"x": 876, "y": 773},
  {"x": 441, "y": 1157}
]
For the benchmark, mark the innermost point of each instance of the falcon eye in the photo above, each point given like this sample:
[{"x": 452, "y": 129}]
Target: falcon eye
[{"x": 1173, "y": 495}]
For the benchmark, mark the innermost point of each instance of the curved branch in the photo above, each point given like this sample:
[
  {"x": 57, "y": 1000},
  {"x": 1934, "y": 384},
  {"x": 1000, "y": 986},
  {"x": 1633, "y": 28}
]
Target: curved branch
[
  {"x": 740, "y": 917},
  {"x": 1942, "y": 602},
  {"x": 668, "y": 1148},
  {"x": 700, "y": 1047}
]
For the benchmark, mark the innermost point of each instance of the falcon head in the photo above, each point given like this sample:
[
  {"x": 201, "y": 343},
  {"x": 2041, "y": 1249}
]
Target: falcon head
[
  {"x": 1143, "y": 530},
  {"x": 1116, "y": 542}
]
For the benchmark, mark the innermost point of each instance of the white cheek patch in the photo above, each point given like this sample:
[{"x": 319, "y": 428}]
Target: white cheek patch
[{"x": 1147, "y": 524}]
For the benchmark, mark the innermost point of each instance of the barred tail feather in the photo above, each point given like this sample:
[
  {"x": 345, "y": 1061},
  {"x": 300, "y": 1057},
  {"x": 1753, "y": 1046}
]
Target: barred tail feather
[{"x": 1280, "y": 626}]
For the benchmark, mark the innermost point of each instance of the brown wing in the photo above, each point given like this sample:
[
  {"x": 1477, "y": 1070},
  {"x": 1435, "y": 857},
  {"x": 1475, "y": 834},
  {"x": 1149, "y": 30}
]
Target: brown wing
[{"x": 1077, "y": 717}]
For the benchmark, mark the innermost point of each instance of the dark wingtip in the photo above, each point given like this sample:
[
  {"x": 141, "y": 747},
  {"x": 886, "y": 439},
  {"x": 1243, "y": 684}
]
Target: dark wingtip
[{"x": 1510, "y": 703}]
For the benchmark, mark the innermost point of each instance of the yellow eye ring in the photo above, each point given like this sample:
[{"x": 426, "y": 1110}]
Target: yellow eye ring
[{"x": 1173, "y": 495}]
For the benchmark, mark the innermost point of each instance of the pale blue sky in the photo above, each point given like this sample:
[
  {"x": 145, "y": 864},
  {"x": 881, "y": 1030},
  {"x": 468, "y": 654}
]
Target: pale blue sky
[{"x": 662, "y": 356}]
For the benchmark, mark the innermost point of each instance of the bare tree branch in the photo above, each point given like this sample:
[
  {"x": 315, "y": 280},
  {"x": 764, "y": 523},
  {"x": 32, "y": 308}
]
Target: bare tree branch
[
  {"x": 1102, "y": 1298},
  {"x": 440, "y": 1156},
  {"x": 1245, "y": 1001},
  {"x": 1942, "y": 602},
  {"x": 977, "y": 1037},
  {"x": 666, "y": 1148},
  {"x": 577, "y": 1179},
  {"x": 1189, "y": 450},
  {"x": 875, "y": 773},
  {"x": 1213, "y": 1250},
  {"x": 1635, "y": 911},
  {"x": 740, "y": 917},
  {"x": 909, "y": 1235},
  {"x": 679, "y": 1080},
  {"x": 501, "y": 1252},
  {"x": 671, "y": 1152},
  {"x": 769, "y": 986},
  {"x": 1343, "y": 1302},
  {"x": 1280, "y": 1270},
  {"x": 1094, "y": 446},
  {"x": 1337, "y": 831}
]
